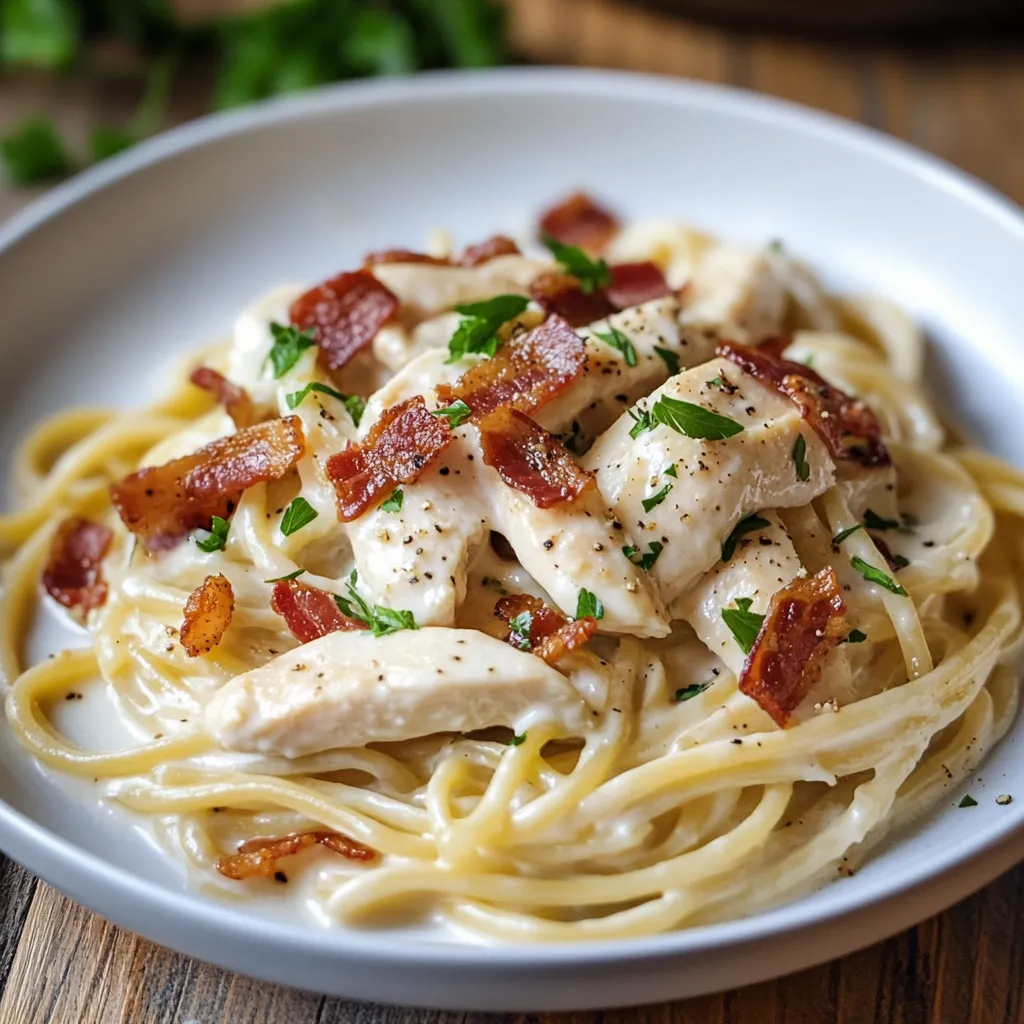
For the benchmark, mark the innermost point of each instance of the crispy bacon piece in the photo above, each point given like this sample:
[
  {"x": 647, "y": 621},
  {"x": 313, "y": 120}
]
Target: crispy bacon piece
[
  {"x": 550, "y": 634},
  {"x": 805, "y": 620},
  {"x": 526, "y": 373},
  {"x": 257, "y": 858},
  {"x": 235, "y": 400},
  {"x": 309, "y": 612},
  {"x": 403, "y": 256},
  {"x": 399, "y": 446},
  {"x": 488, "y": 249},
  {"x": 208, "y": 612},
  {"x": 636, "y": 283},
  {"x": 161, "y": 504},
  {"x": 529, "y": 459},
  {"x": 73, "y": 575},
  {"x": 346, "y": 311},
  {"x": 578, "y": 220},
  {"x": 847, "y": 426},
  {"x": 561, "y": 295}
]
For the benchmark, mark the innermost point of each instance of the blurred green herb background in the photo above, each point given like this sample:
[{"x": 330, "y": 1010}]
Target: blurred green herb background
[{"x": 279, "y": 48}]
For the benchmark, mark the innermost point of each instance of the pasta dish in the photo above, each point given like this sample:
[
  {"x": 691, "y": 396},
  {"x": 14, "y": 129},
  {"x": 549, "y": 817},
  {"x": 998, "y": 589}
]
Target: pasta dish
[{"x": 591, "y": 586}]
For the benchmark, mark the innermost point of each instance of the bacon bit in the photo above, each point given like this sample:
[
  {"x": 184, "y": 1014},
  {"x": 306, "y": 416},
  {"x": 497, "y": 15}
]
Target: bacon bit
[
  {"x": 310, "y": 612},
  {"x": 347, "y": 311},
  {"x": 560, "y": 294},
  {"x": 208, "y": 612},
  {"x": 552, "y": 635},
  {"x": 848, "y": 427},
  {"x": 529, "y": 459},
  {"x": 526, "y": 373},
  {"x": 401, "y": 444},
  {"x": 235, "y": 400},
  {"x": 73, "y": 575},
  {"x": 488, "y": 249},
  {"x": 775, "y": 345},
  {"x": 636, "y": 283},
  {"x": 161, "y": 504},
  {"x": 805, "y": 620},
  {"x": 578, "y": 220},
  {"x": 257, "y": 858},
  {"x": 403, "y": 256}
]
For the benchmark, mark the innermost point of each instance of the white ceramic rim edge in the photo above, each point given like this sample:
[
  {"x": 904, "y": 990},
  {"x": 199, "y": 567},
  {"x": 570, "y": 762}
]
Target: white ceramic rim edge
[{"x": 87, "y": 871}]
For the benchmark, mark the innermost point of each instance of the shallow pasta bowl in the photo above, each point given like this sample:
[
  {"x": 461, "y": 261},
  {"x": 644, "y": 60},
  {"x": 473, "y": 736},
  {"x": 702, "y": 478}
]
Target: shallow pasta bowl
[{"x": 154, "y": 253}]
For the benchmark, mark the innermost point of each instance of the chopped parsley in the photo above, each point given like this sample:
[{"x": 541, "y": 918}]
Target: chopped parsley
[
  {"x": 456, "y": 414},
  {"x": 856, "y": 637},
  {"x": 716, "y": 382},
  {"x": 478, "y": 330},
  {"x": 394, "y": 503},
  {"x": 656, "y": 499},
  {"x": 748, "y": 525},
  {"x": 800, "y": 464},
  {"x": 518, "y": 740},
  {"x": 289, "y": 344},
  {"x": 743, "y": 623},
  {"x": 843, "y": 534},
  {"x": 669, "y": 358},
  {"x": 379, "y": 620},
  {"x": 618, "y": 341},
  {"x": 284, "y": 579},
  {"x": 34, "y": 152},
  {"x": 589, "y": 606},
  {"x": 642, "y": 421},
  {"x": 671, "y": 471},
  {"x": 591, "y": 274},
  {"x": 355, "y": 405},
  {"x": 873, "y": 575},
  {"x": 968, "y": 801},
  {"x": 520, "y": 626},
  {"x": 645, "y": 562},
  {"x": 694, "y": 420},
  {"x": 297, "y": 515},
  {"x": 216, "y": 537},
  {"x": 873, "y": 521},
  {"x": 685, "y": 693}
]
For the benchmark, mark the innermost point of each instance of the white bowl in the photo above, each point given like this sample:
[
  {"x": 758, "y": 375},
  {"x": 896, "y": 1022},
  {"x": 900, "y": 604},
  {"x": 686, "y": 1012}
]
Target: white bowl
[{"x": 156, "y": 251}]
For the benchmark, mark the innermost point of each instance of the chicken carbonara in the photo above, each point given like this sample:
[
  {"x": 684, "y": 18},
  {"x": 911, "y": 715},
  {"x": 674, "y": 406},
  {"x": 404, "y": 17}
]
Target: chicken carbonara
[{"x": 623, "y": 585}]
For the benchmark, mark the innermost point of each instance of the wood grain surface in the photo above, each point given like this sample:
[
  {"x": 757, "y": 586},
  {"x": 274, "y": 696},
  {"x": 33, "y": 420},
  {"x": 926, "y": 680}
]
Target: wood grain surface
[{"x": 962, "y": 98}]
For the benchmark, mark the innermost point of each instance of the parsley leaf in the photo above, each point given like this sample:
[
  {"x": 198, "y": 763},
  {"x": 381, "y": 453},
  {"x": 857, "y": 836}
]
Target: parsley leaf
[
  {"x": 669, "y": 358},
  {"x": 379, "y": 620},
  {"x": 656, "y": 499},
  {"x": 743, "y": 623},
  {"x": 803, "y": 469},
  {"x": 968, "y": 801},
  {"x": 694, "y": 420},
  {"x": 671, "y": 471},
  {"x": 642, "y": 421},
  {"x": 106, "y": 141},
  {"x": 284, "y": 579},
  {"x": 456, "y": 414},
  {"x": 297, "y": 515},
  {"x": 216, "y": 537},
  {"x": 34, "y": 152},
  {"x": 856, "y": 637},
  {"x": 645, "y": 562},
  {"x": 748, "y": 525},
  {"x": 591, "y": 274},
  {"x": 685, "y": 693},
  {"x": 289, "y": 344},
  {"x": 843, "y": 534},
  {"x": 520, "y": 625},
  {"x": 589, "y": 606},
  {"x": 394, "y": 503},
  {"x": 478, "y": 330},
  {"x": 296, "y": 398},
  {"x": 38, "y": 33},
  {"x": 873, "y": 575},
  {"x": 873, "y": 521},
  {"x": 517, "y": 740},
  {"x": 618, "y": 341}
]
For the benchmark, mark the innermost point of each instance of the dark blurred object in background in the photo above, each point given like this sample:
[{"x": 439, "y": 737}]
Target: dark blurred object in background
[
  {"x": 257, "y": 49},
  {"x": 854, "y": 15}
]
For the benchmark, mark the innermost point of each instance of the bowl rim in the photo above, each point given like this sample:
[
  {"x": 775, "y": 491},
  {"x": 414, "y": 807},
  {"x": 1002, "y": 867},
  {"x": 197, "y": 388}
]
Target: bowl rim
[{"x": 79, "y": 871}]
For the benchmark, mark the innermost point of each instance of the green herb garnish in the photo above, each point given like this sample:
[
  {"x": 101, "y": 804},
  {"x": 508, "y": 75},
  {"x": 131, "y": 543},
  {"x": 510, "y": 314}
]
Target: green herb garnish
[
  {"x": 656, "y": 499},
  {"x": 843, "y": 534},
  {"x": 589, "y": 606},
  {"x": 685, "y": 693},
  {"x": 591, "y": 274},
  {"x": 295, "y": 399},
  {"x": 743, "y": 623},
  {"x": 800, "y": 464},
  {"x": 694, "y": 420},
  {"x": 456, "y": 414},
  {"x": 642, "y": 421},
  {"x": 379, "y": 620},
  {"x": 520, "y": 626},
  {"x": 284, "y": 579},
  {"x": 646, "y": 561},
  {"x": 856, "y": 637},
  {"x": 873, "y": 521},
  {"x": 478, "y": 330},
  {"x": 618, "y": 341},
  {"x": 289, "y": 344},
  {"x": 34, "y": 152},
  {"x": 669, "y": 358},
  {"x": 873, "y": 575},
  {"x": 748, "y": 525},
  {"x": 671, "y": 471},
  {"x": 394, "y": 503},
  {"x": 968, "y": 801},
  {"x": 518, "y": 740},
  {"x": 216, "y": 537},
  {"x": 297, "y": 515}
]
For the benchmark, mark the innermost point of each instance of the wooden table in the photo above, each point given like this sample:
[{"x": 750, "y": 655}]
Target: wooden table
[{"x": 962, "y": 99}]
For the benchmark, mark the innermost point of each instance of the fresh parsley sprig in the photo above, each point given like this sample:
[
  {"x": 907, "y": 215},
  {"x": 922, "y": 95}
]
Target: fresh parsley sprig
[
  {"x": 743, "y": 623},
  {"x": 355, "y": 405},
  {"x": 748, "y": 525},
  {"x": 645, "y": 561},
  {"x": 288, "y": 345},
  {"x": 376, "y": 618},
  {"x": 656, "y": 499},
  {"x": 589, "y": 606},
  {"x": 297, "y": 515},
  {"x": 477, "y": 332},
  {"x": 456, "y": 414},
  {"x": 800, "y": 464},
  {"x": 685, "y": 693},
  {"x": 693, "y": 420},
  {"x": 591, "y": 274},
  {"x": 620, "y": 342},
  {"x": 394, "y": 503},
  {"x": 873, "y": 575},
  {"x": 215, "y": 538}
]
